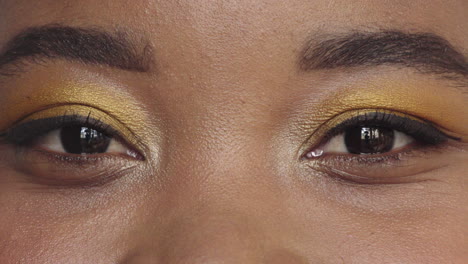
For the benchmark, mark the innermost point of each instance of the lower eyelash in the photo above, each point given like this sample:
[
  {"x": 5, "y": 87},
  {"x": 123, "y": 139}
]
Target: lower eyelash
[{"x": 384, "y": 159}]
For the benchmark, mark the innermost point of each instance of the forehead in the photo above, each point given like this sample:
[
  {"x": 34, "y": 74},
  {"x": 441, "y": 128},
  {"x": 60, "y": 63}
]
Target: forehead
[
  {"x": 242, "y": 19},
  {"x": 235, "y": 44}
]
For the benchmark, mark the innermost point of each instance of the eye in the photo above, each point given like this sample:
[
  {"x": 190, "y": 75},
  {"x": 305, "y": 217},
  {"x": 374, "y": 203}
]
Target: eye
[
  {"x": 376, "y": 133},
  {"x": 80, "y": 140},
  {"x": 375, "y": 147},
  {"x": 72, "y": 135},
  {"x": 75, "y": 151},
  {"x": 367, "y": 140}
]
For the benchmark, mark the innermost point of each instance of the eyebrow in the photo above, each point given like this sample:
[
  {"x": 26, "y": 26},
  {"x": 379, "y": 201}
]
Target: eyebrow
[
  {"x": 90, "y": 46},
  {"x": 425, "y": 52}
]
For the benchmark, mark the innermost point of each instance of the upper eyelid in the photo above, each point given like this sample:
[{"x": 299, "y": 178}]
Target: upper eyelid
[
  {"x": 399, "y": 123},
  {"x": 377, "y": 117},
  {"x": 124, "y": 132}
]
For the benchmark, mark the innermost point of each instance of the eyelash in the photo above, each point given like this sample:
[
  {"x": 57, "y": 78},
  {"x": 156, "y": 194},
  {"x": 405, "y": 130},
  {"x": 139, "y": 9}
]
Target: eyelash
[
  {"x": 24, "y": 134},
  {"x": 424, "y": 133}
]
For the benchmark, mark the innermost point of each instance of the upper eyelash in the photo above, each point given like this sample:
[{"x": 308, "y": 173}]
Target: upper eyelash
[
  {"x": 421, "y": 131},
  {"x": 24, "y": 133}
]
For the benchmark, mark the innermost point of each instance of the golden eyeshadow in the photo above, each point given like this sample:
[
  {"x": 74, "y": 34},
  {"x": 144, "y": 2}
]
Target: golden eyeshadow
[
  {"x": 426, "y": 99},
  {"x": 106, "y": 102},
  {"x": 34, "y": 97}
]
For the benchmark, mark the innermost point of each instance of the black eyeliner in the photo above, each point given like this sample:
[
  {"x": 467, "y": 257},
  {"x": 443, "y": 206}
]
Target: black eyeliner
[
  {"x": 423, "y": 132},
  {"x": 25, "y": 133}
]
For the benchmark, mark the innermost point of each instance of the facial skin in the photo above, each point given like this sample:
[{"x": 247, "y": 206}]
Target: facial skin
[{"x": 221, "y": 116}]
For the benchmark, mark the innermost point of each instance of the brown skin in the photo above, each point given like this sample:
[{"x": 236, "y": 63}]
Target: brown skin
[{"x": 221, "y": 181}]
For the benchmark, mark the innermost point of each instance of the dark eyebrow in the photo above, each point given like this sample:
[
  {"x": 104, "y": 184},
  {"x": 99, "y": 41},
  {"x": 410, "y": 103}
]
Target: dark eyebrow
[
  {"x": 89, "y": 46},
  {"x": 425, "y": 52}
]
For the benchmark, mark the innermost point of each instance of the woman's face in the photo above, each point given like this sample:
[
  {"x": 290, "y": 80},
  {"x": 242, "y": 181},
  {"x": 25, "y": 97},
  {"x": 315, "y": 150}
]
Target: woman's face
[{"x": 233, "y": 131}]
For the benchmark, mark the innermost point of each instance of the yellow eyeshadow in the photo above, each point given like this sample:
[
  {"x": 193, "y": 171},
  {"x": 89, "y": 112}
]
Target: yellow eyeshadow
[
  {"x": 34, "y": 98},
  {"x": 28, "y": 98},
  {"x": 426, "y": 99}
]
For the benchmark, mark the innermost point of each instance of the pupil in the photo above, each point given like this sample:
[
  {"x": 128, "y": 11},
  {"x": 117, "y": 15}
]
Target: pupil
[
  {"x": 369, "y": 140},
  {"x": 83, "y": 140}
]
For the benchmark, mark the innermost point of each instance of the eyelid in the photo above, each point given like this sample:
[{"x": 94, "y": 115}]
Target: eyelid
[
  {"x": 53, "y": 118},
  {"x": 400, "y": 121}
]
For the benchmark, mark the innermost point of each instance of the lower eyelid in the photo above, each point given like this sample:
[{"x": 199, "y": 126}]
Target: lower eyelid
[
  {"x": 405, "y": 166},
  {"x": 353, "y": 178},
  {"x": 52, "y": 169}
]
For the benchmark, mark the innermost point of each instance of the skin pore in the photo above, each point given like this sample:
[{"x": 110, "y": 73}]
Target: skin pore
[{"x": 220, "y": 101}]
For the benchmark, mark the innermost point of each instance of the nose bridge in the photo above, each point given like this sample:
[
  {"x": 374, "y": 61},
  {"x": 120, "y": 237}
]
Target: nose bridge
[
  {"x": 215, "y": 204},
  {"x": 220, "y": 191},
  {"x": 218, "y": 186},
  {"x": 220, "y": 149}
]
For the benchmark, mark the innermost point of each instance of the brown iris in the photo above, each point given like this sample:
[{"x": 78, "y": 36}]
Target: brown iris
[
  {"x": 83, "y": 140},
  {"x": 369, "y": 140}
]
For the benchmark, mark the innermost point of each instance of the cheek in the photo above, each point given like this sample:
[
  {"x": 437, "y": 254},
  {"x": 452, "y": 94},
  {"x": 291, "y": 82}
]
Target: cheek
[
  {"x": 412, "y": 238},
  {"x": 407, "y": 237},
  {"x": 400, "y": 223},
  {"x": 41, "y": 225},
  {"x": 34, "y": 237}
]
